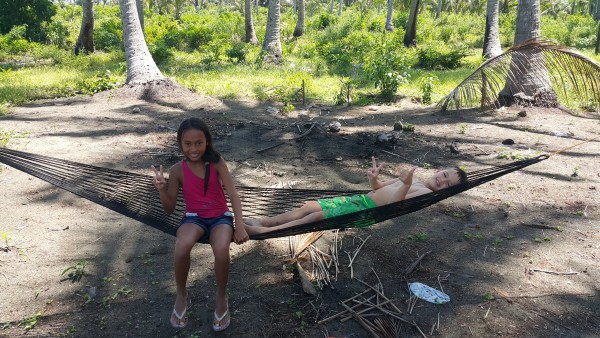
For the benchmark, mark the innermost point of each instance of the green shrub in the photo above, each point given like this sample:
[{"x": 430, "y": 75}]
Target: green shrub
[
  {"x": 198, "y": 36},
  {"x": 108, "y": 36},
  {"x": 161, "y": 54},
  {"x": 173, "y": 39},
  {"x": 428, "y": 82},
  {"x": 237, "y": 51},
  {"x": 387, "y": 69},
  {"x": 57, "y": 33},
  {"x": 429, "y": 57},
  {"x": 101, "y": 82},
  {"x": 323, "y": 21}
]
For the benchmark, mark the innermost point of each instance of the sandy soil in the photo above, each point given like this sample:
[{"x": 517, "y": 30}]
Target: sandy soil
[{"x": 519, "y": 257}]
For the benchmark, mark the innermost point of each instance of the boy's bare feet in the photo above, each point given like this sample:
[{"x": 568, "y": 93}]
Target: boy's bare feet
[
  {"x": 254, "y": 229},
  {"x": 253, "y": 222}
]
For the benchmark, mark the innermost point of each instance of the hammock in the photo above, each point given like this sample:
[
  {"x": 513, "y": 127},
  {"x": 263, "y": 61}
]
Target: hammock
[{"x": 134, "y": 195}]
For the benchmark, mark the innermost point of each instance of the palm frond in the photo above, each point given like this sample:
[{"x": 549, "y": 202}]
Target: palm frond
[
  {"x": 299, "y": 243},
  {"x": 574, "y": 78}
]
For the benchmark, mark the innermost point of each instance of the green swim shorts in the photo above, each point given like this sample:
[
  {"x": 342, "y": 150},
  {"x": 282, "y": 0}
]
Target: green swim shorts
[{"x": 338, "y": 206}]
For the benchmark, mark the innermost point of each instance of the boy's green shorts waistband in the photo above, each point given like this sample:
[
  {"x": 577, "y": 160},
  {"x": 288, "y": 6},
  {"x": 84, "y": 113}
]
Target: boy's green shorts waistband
[{"x": 338, "y": 206}]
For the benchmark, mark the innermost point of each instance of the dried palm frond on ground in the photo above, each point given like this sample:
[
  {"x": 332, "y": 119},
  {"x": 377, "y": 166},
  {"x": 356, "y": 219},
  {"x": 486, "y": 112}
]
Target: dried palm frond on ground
[
  {"x": 372, "y": 303},
  {"x": 298, "y": 244},
  {"x": 535, "y": 73},
  {"x": 322, "y": 262}
]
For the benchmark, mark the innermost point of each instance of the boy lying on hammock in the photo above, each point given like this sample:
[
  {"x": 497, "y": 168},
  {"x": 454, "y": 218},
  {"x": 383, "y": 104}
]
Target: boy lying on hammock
[{"x": 387, "y": 192}]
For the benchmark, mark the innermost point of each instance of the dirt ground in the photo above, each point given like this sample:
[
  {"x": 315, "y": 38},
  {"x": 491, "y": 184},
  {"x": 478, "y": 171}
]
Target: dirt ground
[{"x": 518, "y": 257}]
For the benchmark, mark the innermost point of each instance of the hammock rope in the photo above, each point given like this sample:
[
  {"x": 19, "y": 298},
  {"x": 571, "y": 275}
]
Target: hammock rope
[{"x": 133, "y": 195}]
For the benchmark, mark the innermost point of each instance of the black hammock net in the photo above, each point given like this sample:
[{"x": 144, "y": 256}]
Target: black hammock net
[{"x": 133, "y": 195}]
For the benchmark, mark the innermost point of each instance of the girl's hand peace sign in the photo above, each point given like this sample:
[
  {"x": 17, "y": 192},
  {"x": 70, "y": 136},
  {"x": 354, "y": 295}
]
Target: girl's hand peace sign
[
  {"x": 159, "y": 179},
  {"x": 373, "y": 172}
]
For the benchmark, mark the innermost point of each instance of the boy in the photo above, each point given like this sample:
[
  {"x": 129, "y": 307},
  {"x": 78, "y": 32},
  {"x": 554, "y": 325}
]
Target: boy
[{"x": 387, "y": 192}]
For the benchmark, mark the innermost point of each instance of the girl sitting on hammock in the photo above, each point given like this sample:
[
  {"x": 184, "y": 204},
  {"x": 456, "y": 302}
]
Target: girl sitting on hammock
[{"x": 387, "y": 192}]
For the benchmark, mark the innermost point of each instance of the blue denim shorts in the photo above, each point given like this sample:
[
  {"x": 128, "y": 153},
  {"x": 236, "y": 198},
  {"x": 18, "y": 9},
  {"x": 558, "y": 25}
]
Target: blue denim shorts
[{"x": 207, "y": 224}]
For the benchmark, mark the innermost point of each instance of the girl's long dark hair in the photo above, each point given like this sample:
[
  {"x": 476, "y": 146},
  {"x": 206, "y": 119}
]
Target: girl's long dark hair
[{"x": 210, "y": 155}]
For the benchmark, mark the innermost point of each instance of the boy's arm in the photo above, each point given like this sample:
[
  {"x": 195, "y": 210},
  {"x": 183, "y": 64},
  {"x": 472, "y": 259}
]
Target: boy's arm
[
  {"x": 373, "y": 175},
  {"x": 402, "y": 192}
]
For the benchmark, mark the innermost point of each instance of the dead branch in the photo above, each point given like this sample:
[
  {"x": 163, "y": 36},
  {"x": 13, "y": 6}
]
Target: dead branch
[
  {"x": 380, "y": 294},
  {"x": 539, "y": 226},
  {"x": 301, "y": 136},
  {"x": 394, "y": 154},
  {"x": 531, "y": 271},
  {"x": 353, "y": 257},
  {"x": 345, "y": 311},
  {"x": 270, "y": 147},
  {"x": 307, "y": 286},
  {"x": 550, "y": 320},
  {"x": 362, "y": 322},
  {"x": 411, "y": 267}
]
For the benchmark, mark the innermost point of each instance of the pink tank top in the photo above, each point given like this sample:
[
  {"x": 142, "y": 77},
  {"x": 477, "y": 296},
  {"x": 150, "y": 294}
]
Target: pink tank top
[{"x": 211, "y": 205}]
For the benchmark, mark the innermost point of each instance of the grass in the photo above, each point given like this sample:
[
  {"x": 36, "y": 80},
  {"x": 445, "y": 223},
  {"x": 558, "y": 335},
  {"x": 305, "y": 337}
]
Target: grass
[
  {"x": 71, "y": 75},
  {"x": 236, "y": 81},
  {"x": 76, "y": 272}
]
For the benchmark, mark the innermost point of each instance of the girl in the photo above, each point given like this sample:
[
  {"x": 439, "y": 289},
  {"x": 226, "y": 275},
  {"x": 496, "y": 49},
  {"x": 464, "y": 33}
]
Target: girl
[{"x": 207, "y": 216}]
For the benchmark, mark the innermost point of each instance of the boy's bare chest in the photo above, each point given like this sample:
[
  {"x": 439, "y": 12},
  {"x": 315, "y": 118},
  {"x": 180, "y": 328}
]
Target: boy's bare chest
[{"x": 414, "y": 187}]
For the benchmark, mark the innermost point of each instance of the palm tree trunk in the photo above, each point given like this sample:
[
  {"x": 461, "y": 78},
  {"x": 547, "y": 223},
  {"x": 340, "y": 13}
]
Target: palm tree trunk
[
  {"x": 389, "y": 25},
  {"x": 491, "y": 40},
  {"x": 410, "y": 36},
  {"x": 504, "y": 8},
  {"x": 340, "y": 5},
  {"x": 85, "y": 41},
  {"x": 272, "y": 43},
  {"x": 301, "y": 23},
  {"x": 438, "y": 10},
  {"x": 250, "y": 33},
  {"x": 597, "y": 51},
  {"x": 140, "y": 9},
  {"x": 532, "y": 86},
  {"x": 141, "y": 68}
]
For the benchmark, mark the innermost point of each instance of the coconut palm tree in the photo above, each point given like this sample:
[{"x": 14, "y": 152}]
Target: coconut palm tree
[
  {"x": 389, "y": 25},
  {"x": 575, "y": 77},
  {"x": 272, "y": 43},
  {"x": 140, "y": 9},
  {"x": 301, "y": 23},
  {"x": 141, "y": 68},
  {"x": 250, "y": 32},
  {"x": 410, "y": 36},
  {"x": 85, "y": 41},
  {"x": 533, "y": 84},
  {"x": 491, "y": 39},
  {"x": 597, "y": 50}
]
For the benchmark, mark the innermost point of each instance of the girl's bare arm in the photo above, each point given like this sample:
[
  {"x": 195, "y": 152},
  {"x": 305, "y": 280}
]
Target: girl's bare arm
[
  {"x": 240, "y": 235},
  {"x": 168, "y": 190}
]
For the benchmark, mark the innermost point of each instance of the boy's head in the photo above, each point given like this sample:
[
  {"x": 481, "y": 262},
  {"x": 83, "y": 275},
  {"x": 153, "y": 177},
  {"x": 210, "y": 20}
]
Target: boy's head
[{"x": 446, "y": 178}]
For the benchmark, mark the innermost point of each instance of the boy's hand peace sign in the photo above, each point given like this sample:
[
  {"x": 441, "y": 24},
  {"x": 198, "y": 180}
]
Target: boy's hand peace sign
[
  {"x": 373, "y": 172},
  {"x": 405, "y": 175},
  {"x": 159, "y": 178}
]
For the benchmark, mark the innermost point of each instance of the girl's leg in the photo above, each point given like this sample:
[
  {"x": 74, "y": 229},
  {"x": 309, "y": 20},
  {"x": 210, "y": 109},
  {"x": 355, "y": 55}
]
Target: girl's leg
[
  {"x": 187, "y": 235},
  {"x": 220, "y": 239},
  {"x": 292, "y": 215}
]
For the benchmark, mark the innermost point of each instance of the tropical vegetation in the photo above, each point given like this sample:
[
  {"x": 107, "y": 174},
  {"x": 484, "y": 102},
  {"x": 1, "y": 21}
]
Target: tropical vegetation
[{"x": 202, "y": 46}]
